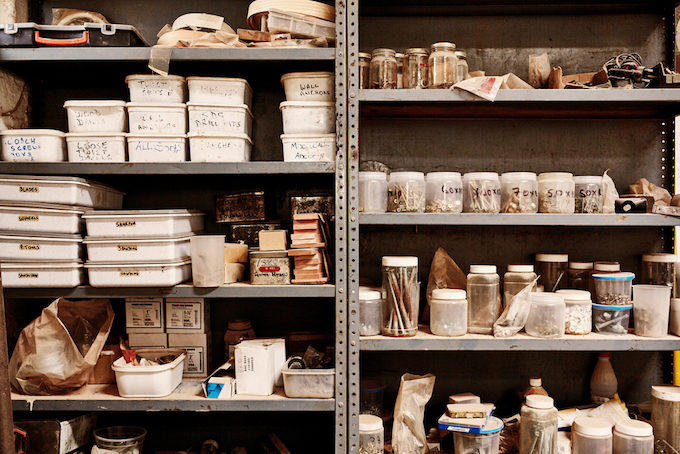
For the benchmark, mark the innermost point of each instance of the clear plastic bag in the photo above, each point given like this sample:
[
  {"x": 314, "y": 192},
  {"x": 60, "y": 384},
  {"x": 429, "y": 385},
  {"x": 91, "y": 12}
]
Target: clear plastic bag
[
  {"x": 408, "y": 431},
  {"x": 515, "y": 315}
]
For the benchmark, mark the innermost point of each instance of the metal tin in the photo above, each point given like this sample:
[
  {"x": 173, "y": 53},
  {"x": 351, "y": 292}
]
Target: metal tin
[
  {"x": 249, "y": 233},
  {"x": 240, "y": 207},
  {"x": 269, "y": 268},
  {"x": 323, "y": 204}
]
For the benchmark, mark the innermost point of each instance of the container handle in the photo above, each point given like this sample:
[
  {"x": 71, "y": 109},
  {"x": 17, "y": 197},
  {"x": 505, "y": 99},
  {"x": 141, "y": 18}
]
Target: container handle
[{"x": 61, "y": 42}]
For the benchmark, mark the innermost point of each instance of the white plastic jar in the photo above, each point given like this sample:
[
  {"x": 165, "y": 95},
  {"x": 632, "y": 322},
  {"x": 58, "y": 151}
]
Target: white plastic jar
[
  {"x": 406, "y": 192},
  {"x": 591, "y": 435},
  {"x": 448, "y": 312},
  {"x": 539, "y": 425},
  {"x": 372, "y": 192},
  {"x": 444, "y": 192},
  {"x": 515, "y": 279},
  {"x": 546, "y": 315},
  {"x": 371, "y": 435},
  {"x": 588, "y": 196},
  {"x": 556, "y": 192},
  {"x": 370, "y": 312},
  {"x": 633, "y": 437},
  {"x": 484, "y": 298},
  {"x": 481, "y": 192},
  {"x": 578, "y": 311},
  {"x": 519, "y": 192}
]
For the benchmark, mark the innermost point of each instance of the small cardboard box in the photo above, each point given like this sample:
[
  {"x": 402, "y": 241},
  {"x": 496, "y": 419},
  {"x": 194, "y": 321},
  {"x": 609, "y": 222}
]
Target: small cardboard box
[
  {"x": 187, "y": 315},
  {"x": 235, "y": 253},
  {"x": 144, "y": 315},
  {"x": 258, "y": 366},
  {"x": 221, "y": 384},
  {"x": 102, "y": 373},
  {"x": 234, "y": 272},
  {"x": 273, "y": 240},
  {"x": 198, "y": 362},
  {"x": 148, "y": 340}
]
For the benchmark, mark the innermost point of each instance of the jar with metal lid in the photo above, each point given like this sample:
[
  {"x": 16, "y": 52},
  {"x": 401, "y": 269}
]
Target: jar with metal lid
[
  {"x": 371, "y": 435},
  {"x": 383, "y": 69},
  {"x": 406, "y": 192},
  {"x": 591, "y": 435},
  {"x": 443, "y": 65},
  {"x": 659, "y": 269},
  {"x": 237, "y": 330},
  {"x": 588, "y": 196},
  {"x": 552, "y": 271},
  {"x": 364, "y": 70},
  {"x": 401, "y": 292},
  {"x": 484, "y": 298},
  {"x": 400, "y": 69},
  {"x": 666, "y": 415},
  {"x": 372, "y": 192},
  {"x": 556, "y": 192},
  {"x": 515, "y": 279},
  {"x": 481, "y": 192},
  {"x": 462, "y": 68},
  {"x": 538, "y": 432},
  {"x": 444, "y": 192},
  {"x": 370, "y": 312},
  {"x": 546, "y": 315},
  {"x": 633, "y": 437},
  {"x": 579, "y": 275},
  {"x": 519, "y": 192},
  {"x": 448, "y": 312},
  {"x": 416, "y": 68},
  {"x": 578, "y": 311}
]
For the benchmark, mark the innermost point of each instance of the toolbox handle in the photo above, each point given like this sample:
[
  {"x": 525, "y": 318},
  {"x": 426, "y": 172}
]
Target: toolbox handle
[{"x": 61, "y": 42}]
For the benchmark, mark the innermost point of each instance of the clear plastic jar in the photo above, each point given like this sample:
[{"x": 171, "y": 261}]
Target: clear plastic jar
[
  {"x": 515, "y": 279},
  {"x": 588, "y": 197},
  {"x": 578, "y": 311},
  {"x": 364, "y": 70},
  {"x": 659, "y": 269},
  {"x": 579, "y": 275},
  {"x": 556, "y": 193},
  {"x": 552, "y": 271},
  {"x": 371, "y": 435},
  {"x": 590, "y": 436},
  {"x": 444, "y": 192},
  {"x": 372, "y": 192},
  {"x": 611, "y": 319},
  {"x": 666, "y": 415},
  {"x": 602, "y": 268},
  {"x": 538, "y": 432},
  {"x": 546, "y": 315},
  {"x": 400, "y": 69},
  {"x": 481, "y": 192},
  {"x": 443, "y": 65},
  {"x": 237, "y": 330},
  {"x": 486, "y": 442},
  {"x": 633, "y": 437},
  {"x": 614, "y": 289},
  {"x": 652, "y": 307},
  {"x": 416, "y": 68},
  {"x": 371, "y": 397},
  {"x": 462, "y": 68},
  {"x": 484, "y": 298},
  {"x": 448, "y": 312},
  {"x": 406, "y": 192},
  {"x": 370, "y": 312},
  {"x": 402, "y": 296},
  {"x": 519, "y": 192},
  {"x": 383, "y": 69}
]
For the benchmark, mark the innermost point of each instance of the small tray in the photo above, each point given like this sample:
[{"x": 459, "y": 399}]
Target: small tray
[{"x": 30, "y": 34}]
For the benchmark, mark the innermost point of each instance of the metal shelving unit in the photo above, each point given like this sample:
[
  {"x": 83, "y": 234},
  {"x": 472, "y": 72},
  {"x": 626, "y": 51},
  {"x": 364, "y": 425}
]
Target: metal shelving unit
[{"x": 540, "y": 219}]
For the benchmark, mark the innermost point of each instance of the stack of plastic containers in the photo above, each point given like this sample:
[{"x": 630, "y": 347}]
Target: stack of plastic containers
[
  {"x": 40, "y": 241},
  {"x": 96, "y": 131}
]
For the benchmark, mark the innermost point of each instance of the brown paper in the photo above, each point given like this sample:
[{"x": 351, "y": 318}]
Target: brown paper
[
  {"x": 408, "y": 431},
  {"x": 444, "y": 273},
  {"x": 644, "y": 187},
  {"x": 512, "y": 82},
  {"x": 539, "y": 70}
]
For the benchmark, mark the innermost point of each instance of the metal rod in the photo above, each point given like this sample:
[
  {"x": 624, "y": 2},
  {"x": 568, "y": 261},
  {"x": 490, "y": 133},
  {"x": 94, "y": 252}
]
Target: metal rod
[{"x": 6, "y": 417}]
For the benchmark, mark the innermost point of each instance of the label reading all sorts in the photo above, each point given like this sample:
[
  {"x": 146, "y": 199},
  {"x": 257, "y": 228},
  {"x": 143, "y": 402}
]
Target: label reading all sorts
[{"x": 159, "y": 147}]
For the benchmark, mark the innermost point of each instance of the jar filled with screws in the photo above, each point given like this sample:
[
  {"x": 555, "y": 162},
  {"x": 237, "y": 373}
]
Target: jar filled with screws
[
  {"x": 448, "y": 312},
  {"x": 372, "y": 192},
  {"x": 588, "y": 197},
  {"x": 659, "y": 269},
  {"x": 400, "y": 69},
  {"x": 364, "y": 70},
  {"x": 578, "y": 311},
  {"x": 603, "y": 268},
  {"x": 633, "y": 436},
  {"x": 556, "y": 193},
  {"x": 416, "y": 68},
  {"x": 516, "y": 279},
  {"x": 370, "y": 312},
  {"x": 402, "y": 296},
  {"x": 579, "y": 275},
  {"x": 519, "y": 192},
  {"x": 484, "y": 298},
  {"x": 444, "y": 191},
  {"x": 481, "y": 192},
  {"x": 383, "y": 69},
  {"x": 406, "y": 192},
  {"x": 546, "y": 315},
  {"x": 552, "y": 270},
  {"x": 443, "y": 65},
  {"x": 462, "y": 68},
  {"x": 614, "y": 289}
]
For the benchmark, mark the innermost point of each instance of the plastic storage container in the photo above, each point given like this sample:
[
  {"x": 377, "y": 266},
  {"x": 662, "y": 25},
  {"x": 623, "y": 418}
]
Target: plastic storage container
[
  {"x": 546, "y": 315},
  {"x": 157, "y": 148},
  {"x": 20, "y": 246},
  {"x": 539, "y": 425},
  {"x": 372, "y": 192},
  {"x": 383, "y": 73},
  {"x": 149, "y": 381},
  {"x": 578, "y": 311},
  {"x": 371, "y": 397},
  {"x": 142, "y": 223},
  {"x": 309, "y": 86},
  {"x": 308, "y": 147},
  {"x": 631, "y": 436},
  {"x": 32, "y": 145},
  {"x": 588, "y": 194},
  {"x": 591, "y": 435},
  {"x": 556, "y": 193},
  {"x": 41, "y": 218},
  {"x": 651, "y": 309},
  {"x": 151, "y": 249},
  {"x": 42, "y": 274},
  {"x": 221, "y": 119},
  {"x": 220, "y": 91},
  {"x": 311, "y": 383},
  {"x": 95, "y": 116},
  {"x": 614, "y": 289},
  {"x": 666, "y": 415},
  {"x": 659, "y": 269},
  {"x": 515, "y": 279},
  {"x": 308, "y": 117},
  {"x": 579, "y": 275},
  {"x": 519, "y": 192},
  {"x": 159, "y": 274},
  {"x": 207, "y": 260},
  {"x": 484, "y": 298},
  {"x": 96, "y": 147},
  {"x": 444, "y": 192},
  {"x": 481, "y": 192},
  {"x": 402, "y": 296},
  {"x": 602, "y": 268},
  {"x": 299, "y": 25},
  {"x": 157, "y": 118},
  {"x": 371, "y": 435},
  {"x": 370, "y": 312},
  {"x": 406, "y": 192},
  {"x": 448, "y": 312},
  {"x": 486, "y": 442},
  {"x": 155, "y": 88},
  {"x": 552, "y": 270},
  {"x": 219, "y": 147},
  {"x": 122, "y": 439},
  {"x": 611, "y": 319}
]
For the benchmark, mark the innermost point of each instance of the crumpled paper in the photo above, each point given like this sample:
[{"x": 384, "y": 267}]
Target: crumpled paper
[
  {"x": 408, "y": 431},
  {"x": 444, "y": 273},
  {"x": 487, "y": 86},
  {"x": 644, "y": 187},
  {"x": 609, "y": 193},
  {"x": 539, "y": 70}
]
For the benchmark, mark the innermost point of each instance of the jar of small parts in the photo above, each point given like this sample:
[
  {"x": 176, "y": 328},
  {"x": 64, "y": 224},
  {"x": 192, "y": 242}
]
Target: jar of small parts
[
  {"x": 602, "y": 268},
  {"x": 371, "y": 435},
  {"x": 364, "y": 70},
  {"x": 406, "y": 192},
  {"x": 546, "y": 315},
  {"x": 588, "y": 196},
  {"x": 487, "y": 441},
  {"x": 444, "y": 191},
  {"x": 443, "y": 65},
  {"x": 372, "y": 192},
  {"x": 552, "y": 271},
  {"x": 370, "y": 312},
  {"x": 614, "y": 289},
  {"x": 519, "y": 192},
  {"x": 400, "y": 69},
  {"x": 371, "y": 397},
  {"x": 448, "y": 312},
  {"x": 666, "y": 415},
  {"x": 579, "y": 275},
  {"x": 556, "y": 193},
  {"x": 484, "y": 298},
  {"x": 383, "y": 69},
  {"x": 402, "y": 296},
  {"x": 462, "y": 68},
  {"x": 591, "y": 435},
  {"x": 481, "y": 192},
  {"x": 659, "y": 269},
  {"x": 538, "y": 433},
  {"x": 416, "y": 68},
  {"x": 578, "y": 311},
  {"x": 515, "y": 279},
  {"x": 237, "y": 330},
  {"x": 633, "y": 437}
]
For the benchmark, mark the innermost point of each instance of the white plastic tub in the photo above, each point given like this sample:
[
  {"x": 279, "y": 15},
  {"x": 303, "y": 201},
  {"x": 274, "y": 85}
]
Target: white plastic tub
[
  {"x": 157, "y": 148},
  {"x": 221, "y": 91},
  {"x": 219, "y": 147},
  {"x": 157, "y": 118},
  {"x": 299, "y": 25},
  {"x": 212, "y": 118},
  {"x": 40, "y": 218},
  {"x": 149, "y": 381},
  {"x": 159, "y": 274},
  {"x": 155, "y": 88},
  {"x": 308, "y": 117},
  {"x": 138, "y": 249},
  {"x": 308, "y": 147},
  {"x": 59, "y": 190},
  {"x": 20, "y": 246},
  {"x": 309, "y": 86},
  {"x": 32, "y": 145},
  {"x": 42, "y": 274},
  {"x": 311, "y": 383},
  {"x": 95, "y": 116},
  {"x": 99, "y": 147},
  {"x": 142, "y": 223}
]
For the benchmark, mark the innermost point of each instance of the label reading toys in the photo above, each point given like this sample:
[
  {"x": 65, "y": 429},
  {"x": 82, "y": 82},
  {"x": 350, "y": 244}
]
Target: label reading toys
[
  {"x": 29, "y": 218},
  {"x": 27, "y": 275},
  {"x": 126, "y": 223},
  {"x": 29, "y": 247},
  {"x": 127, "y": 247},
  {"x": 29, "y": 189},
  {"x": 133, "y": 273}
]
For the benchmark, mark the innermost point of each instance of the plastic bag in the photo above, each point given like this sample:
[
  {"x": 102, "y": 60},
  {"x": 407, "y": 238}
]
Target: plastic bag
[
  {"x": 515, "y": 315},
  {"x": 444, "y": 273},
  {"x": 408, "y": 431},
  {"x": 57, "y": 351},
  {"x": 610, "y": 194}
]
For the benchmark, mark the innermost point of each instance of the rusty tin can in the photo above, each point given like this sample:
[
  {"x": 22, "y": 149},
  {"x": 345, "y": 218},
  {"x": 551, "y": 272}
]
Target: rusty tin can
[
  {"x": 245, "y": 206},
  {"x": 269, "y": 268}
]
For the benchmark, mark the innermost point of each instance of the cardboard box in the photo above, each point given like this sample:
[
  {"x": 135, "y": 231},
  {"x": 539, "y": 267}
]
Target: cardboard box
[
  {"x": 234, "y": 272},
  {"x": 148, "y": 340},
  {"x": 221, "y": 384},
  {"x": 198, "y": 362},
  {"x": 144, "y": 315},
  {"x": 52, "y": 436},
  {"x": 187, "y": 315},
  {"x": 258, "y": 366},
  {"x": 273, "y": 240},
  {"x": 102, "y": 373},
  {"x": 235, "y": 253}
]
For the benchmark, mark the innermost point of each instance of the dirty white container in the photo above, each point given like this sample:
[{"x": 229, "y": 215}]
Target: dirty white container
[
  {"x": 142, "y": 223},
  {"x": 308, "y": 117},
  {"x": 214, "y": 118},
  {"x": 32, "y": 145},
  {"x": 40, "y": 218},
  {"x": 42, "y": 274},
  {"x": 156, "y": 88},
  {"x": 20, "y": 246},
  {"x": 219, "y": 147},
  {"x": 149, "y": 274},
  {"x": 96, "y": 147},
  {"x": 309, "y": 86},
  {"x": 222, "y": 91},
  {"x": 59, "y": 190},
  {"x": 308, "y": 147},
  {"x": 485, "y": 442},
  {"x": 149, "y": 381},
  {"x": 312, "y": 383},
  {"x": 157, "y": 147},
  {"x": 95, "y": 116},
  {"x": 157, "y": 118},
  {"x": 156, "y": 249}
]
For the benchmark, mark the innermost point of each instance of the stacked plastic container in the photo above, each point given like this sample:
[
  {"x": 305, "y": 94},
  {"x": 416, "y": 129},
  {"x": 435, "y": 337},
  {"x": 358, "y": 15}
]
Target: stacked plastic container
[
  {"x": 96, "y": 131},
  {"x": 40, "y": 240},
  {"x": 32, "y": 145}
]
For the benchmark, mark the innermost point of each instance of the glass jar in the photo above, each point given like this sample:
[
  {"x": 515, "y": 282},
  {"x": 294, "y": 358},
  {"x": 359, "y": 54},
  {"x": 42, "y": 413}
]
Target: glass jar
[
  {"x": 416, "y": 68},
  {"x": 486, "y": 442},
  {"x": 462, "y": 68},
  {"x": 400, "y": 69},
  {"x": 371, "y": 435},
  {"x": 237, "y": 330},
  {"x": 481, "y": 192},
  {"x": 364, "y": 70},
  {"x": 578, "y": 311},
  {"x": 484, "y": 298},
  {"x": 539, "y": 425},
  {"x": 591, "y": 435},
  {"x": 588, "y": 197},
  {"x": 633, "y": 437},
  {"x": 406, "y": 192},
  {"x": 546, "y": 315},
  {"x": 579, "y": 275},
  {"x": 370, "y": 312},
  {"x": 371, "y": 398},
  {"x": 372, "y": 192},
  {"x": 383, "y": 69},
  {"x": 519, "y": 192},
  {"x": 556, "y": 193},
  {"x": 659, "y": 269},
  {"x": 444, "y": 192},
  {"x": 666, "y": 415},
  {"x": 443, "y": 65},
  {"x": 401, "y": 292},
  {"x": 552, "y": 271},
  {"x": 448, "y": 312},
  {"x": 516, "y": 278}
]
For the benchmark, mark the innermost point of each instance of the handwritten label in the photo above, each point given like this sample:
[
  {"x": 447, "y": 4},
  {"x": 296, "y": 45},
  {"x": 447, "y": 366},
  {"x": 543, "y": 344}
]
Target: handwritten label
[
  {"x": 590, "y": 192},
  {"x": 29, "y": 247},
  {"x": 559, "y": 193},
  {"x": 160, "y": 147},
  {"x": 29, "y": 218},
  {"x": 93, "y": 150},
  {"x": 129, "y": 273},
  {"x": 127, "y": 248},
  {"x": 524, "y": 192},
  {"x": 451, "y": 190},
  {"x": 28, "y": 275},
  {"x": 126, "y": 223},
  {"x": 312, "y": 89},
  {"x": 481, "y": 192},
  {"x": 31, "y": 189}
]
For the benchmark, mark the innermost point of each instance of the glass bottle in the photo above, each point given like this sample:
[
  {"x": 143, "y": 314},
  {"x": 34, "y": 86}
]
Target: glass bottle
[
  {"x": 535, "y": 387},
  {"x": 516, "y": 278},
  {"x": 579, "y": 275},
  {"x": 400, "y": 69},
  {"x": 237, "y": 330},
  {"x": 443, "y": 65},
  {"x": 370, "y": 312},
  {"x": 364, "y": 70},
  {"x": 462, "y": 68},
  {"x": 383, "y": 69},
  {"x": 539, "y": 426},
  {"x": 484, "y": 298},
  {"x": 603, "y": 383},
  {"x": 416, "y": 68}
]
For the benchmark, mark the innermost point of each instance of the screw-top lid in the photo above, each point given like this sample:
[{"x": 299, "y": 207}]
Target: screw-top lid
[
  {"x": 483, "y": 269},
  {"x": 659, "y": 257},
  {"x": 607, "y": 266},
  {"x": 555, "y": 176},
  {"x": 518, "y": 176},
  {"x": 546, "y": 298},
  {"x": 578, "y": 265},
  {"x": 539, "y": 401},
  {"x": 588, "y": 180},
  {"x": 552, "y": 258},
  {"x": 371, "y": 386},
  {"x": 364, "y": 55},
  {"x": 369, "y": 295},
  {"x": 442, "y": 176},
  {"x": 614, "y": 277},
  {"x": 239, "y": 324},
  {"x": 420, "y": 176},
  {"x": 634, "y": 428},
  {"x": 373, "y": 176},
  {"x": 384, "y": 51},
  {"x": 442, "y": 45},
  {"x": 535, "y": 382},
  {"x": 399, "y": 261},
  {"x": 666, "y": 392},
  {"x": 481, "y": 176},
  {"x": 369, "y": 423},
  {"x": 460, "y": 54},
  {"x": 449, "y": 294},
  {"x": 592, "y": 426},
  {"x": 416, "y": 50},
  {"x": 521, "y": 268},
  {"x": 574, "y": 295}
]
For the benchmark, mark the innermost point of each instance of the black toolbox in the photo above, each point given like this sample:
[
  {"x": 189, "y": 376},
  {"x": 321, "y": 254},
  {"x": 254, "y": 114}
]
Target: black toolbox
[{"x": 30, "y": 34}]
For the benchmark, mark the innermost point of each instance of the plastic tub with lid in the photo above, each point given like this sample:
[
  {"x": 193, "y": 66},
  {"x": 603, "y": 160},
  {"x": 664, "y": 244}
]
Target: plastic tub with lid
[
  {"x": 299, "y": 25},
  {"x": 481, "y": 192},
  {"x": 157, "y": 118},
  {"x": 485, "y": 442},
  {"x": 215, "y": 118},
  {"x": 308, "y": 147},
  {"x": 371, "y": 434},
  {"x": 40, "y": 218},
  {"x": 96, "y": 147},
  {"x": 370, "y": 312},
  {"x": 156, "y": 88},
  {"x": 611, "y": 319},
  {"x": 32, "y": 145},
  {"x": 309, "y": 86},
  {"x": 150, "y": 381},
  {"x": 22, "y": 246},
  {"x": 546, "y": 315},
  {"x": 308, "y": 117},
  {"x": 142, "y": 274},
  {"x": 42, "y": 274},
  {"x": 95, "y": 116},
  {"x": 666, "y": 414},
  {"x": 157, "y": 147},
  {"x": 591, "y": 435},
  {"x": 372, "y": 192},
  {"x": 631, "y": 436},
  {"x": 448, "y": 312},
  {"x": 444, "y": 192},
  {"x": 578, "y": 311},
  {"x": 219, "y": 147},
  {"x": 220, "y": 91},
  {"x": 614, "y": 289},
  {"x": 309, "y": 383},
  {"x": 556, "y": 192},
  {"x": 154, "y": 249},
  {"x": 142, "y": 223},
  {"x": 122, "y": 439}
]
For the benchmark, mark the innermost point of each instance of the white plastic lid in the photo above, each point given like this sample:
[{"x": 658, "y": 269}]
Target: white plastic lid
[
  {"x": 306, "y": 104},
  {"x": 369, "y": 295},
  {"x": 193, "y": 106},
  {"x": 420, "y": 176},
  {"x": 157, "y": 105},
  {"x": 308, "y": 75},
  {"x": 382, "y": 176},
  {"x": 95, "y": 135},
  {"x": 31, "y": 132},
  {"x": 219, "y": 135},
  {"x": 607, "y": 266},
  {"x": 574, "y": 295},
  {"x": 675, "y": 304},
  {"x": 535, "y": 382},
  {"x": 136, "y": 77},
  {"x": 666, "y": 392},
  {"x": 494, "y": 425},
  {"x": 580, "y": 265},
  {"x": 218, "y": 80},
  {"x": 518, "y": 176},
  {"x": 588, "y": 180},
  {"x": 659, "y": 257},
  {"x": 481, "y": 176},
  {"x": 614, "y": 276},
  {"x": 399, "y": 261},
  {"x": 634, "y": 428},
  {"x": 369, "y": 423},
  {"x": 555, "y": 176},
  {"x": 483, "y": 269},
  {"x": 442, "y": 176},
  {"x": 449, "y": 294},
  {"x": 149, "y": 137},
  {"x": 312, "y": 137},
  {"x": 539, "y": 401},
  {"x": 93, "y": 103},
  {"x": 521, "y": 268},
  {"x": 592, "y": 426},
  {"x": 546, "y": 298},
  {"x": 108, "y": 214},
  {"x": 552, "y": 258}
]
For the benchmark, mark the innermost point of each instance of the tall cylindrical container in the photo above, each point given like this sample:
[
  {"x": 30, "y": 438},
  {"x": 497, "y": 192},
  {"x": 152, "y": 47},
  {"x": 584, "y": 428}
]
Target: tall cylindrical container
[
  {"x": 481, "y": 192},
  {"x": 442, "y": 65},
  {"x": 448, "y": 312},
  {"x": 515, "y": 279},
  {"x": 484, "y": 298},
  {"x": 556, "y": 193},
  {"x": 603, "y": 382},
  {"x": 552, "y": 270},
  {"x": 370, "y": 312},
  {"x": 372, "y": 192},
  {"x": 519, "y": 192},
  {"x": 591, "y": 435},
  {"x": 406, "y": 192},
  {"x": 538, "y": 432},
  {"x": 666, "y": 415},
  {"x": 633, "y": 437},
  {"x": 371, "y": 435},
  {"x": 401, "y": 292},
  {"x": 659, "y": 269}
]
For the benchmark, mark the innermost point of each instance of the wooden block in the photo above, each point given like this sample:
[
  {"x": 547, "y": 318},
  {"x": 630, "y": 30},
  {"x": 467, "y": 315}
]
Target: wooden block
[
  {"x": 235, "y": 253},
  {"x": 302, "y": 252},
  {"x": 306, "y": 236},
  {"x": 306, "y": 245},
  {"x": 308, "y": 260},
  {"x": 305, "y": 226},
  {"x": 306, "y": 217},
  {"x": 313, "y": 268},
  {"x": 309, "y": 275},
  {"x": 310, "y": 281},
  {"x": 234, "y": 272},
  {"x": 273, "y": 240}
]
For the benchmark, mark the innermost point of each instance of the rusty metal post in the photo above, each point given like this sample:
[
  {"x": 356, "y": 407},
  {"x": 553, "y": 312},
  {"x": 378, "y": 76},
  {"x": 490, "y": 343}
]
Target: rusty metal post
[{"x": 6, "y": 418}]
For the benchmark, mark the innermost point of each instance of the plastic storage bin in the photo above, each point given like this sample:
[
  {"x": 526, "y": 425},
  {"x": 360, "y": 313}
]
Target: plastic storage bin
[
  {"x": 308, "y": 117},
  {"x": 150, "y": 381},
  {"x": 614, "y": 289},
  {"x": 96, "y": 147},
  {"x": 519, "y": 192},
  {"x": 631, "y": 436},
  {"x": 299, "y": 25},
  {"x": 156, "y": 249},
  {"x": 32, "y": 145},
  {"x": 219, "y": 147},
  {"x": 578, "y": 311},
  {"x": 157, "y": 148},
  {"x": 42, "y": 274},
  {"x": 611, "y": 319},
  {"x": 157, "y": 118},
  {"x": 370, "y": 312},
  {"x": 651, "y": 308},
  {"x": 444, "y": 192},
  {"x": 95, "y": 116},
  {"x": 372, "y": 192},
  {"x": 160, "y": 274},
  {"x": 406, "y": 192},
  {"x": 41, "y": 218},
  {"x": 448, "y": 312},
  {"x": 220, "y": 91},
  {"x": 155, "y": 88},
  {"x": 486, "y": 442},
  {"x": 312, "y": 383},
  {"x": 309, "y": 86},
  {"x": 308, "y": 147},
  {"x": 142, "y": 223},
  {"x": 20, "y": 246},
  {"x": 221, "y": 119},
  {"x": 546, "y": 315},
  {"x": 591, "y": 435}
]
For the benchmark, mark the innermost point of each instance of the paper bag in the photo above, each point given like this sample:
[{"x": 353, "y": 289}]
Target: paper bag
[
  {"x": 408, "y": 431},
  {"x": 444, "y": 273},
  {"x": 539, "y": 70}
]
